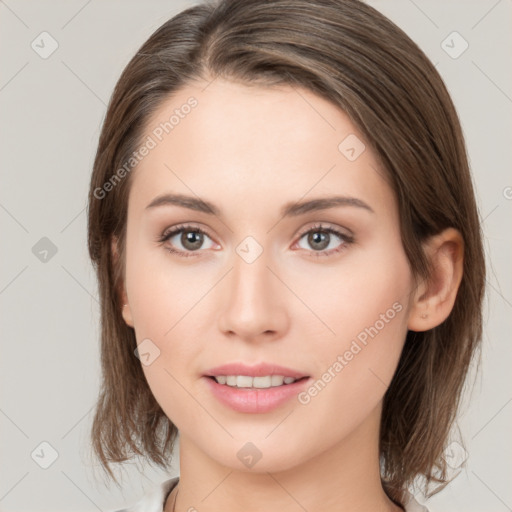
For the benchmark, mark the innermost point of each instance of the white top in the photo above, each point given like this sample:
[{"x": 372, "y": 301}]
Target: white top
[{"x": 154, "y": 500}]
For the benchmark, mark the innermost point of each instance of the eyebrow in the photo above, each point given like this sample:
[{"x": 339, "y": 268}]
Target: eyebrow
[{"x": 291, "y": 209}]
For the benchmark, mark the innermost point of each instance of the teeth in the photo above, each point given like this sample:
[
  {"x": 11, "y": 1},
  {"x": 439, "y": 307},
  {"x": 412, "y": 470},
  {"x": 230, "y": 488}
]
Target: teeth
[
  {"x": 245, "y": 381},
  {"x": 241, "y": 381}
]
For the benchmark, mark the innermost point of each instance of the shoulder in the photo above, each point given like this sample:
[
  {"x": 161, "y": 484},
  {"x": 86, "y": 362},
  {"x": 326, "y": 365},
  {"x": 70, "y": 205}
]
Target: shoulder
[
  {"x": 411, "y": 505},
  {"x": 153, "y": 500}
]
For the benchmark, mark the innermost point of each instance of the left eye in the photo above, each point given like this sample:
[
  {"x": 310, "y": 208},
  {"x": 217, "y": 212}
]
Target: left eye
[{"x": 320, "y": 238}]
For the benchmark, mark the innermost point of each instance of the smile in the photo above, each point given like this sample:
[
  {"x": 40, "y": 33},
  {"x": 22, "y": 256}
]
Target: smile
[{"x": 246, "y": 381}]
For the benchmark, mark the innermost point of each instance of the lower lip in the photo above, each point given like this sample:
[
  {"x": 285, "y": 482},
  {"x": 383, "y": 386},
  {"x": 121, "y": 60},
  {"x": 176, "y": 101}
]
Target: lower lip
[{"x": 253, "y": 400}]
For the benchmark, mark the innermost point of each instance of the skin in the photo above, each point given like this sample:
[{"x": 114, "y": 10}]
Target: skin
[{"x": 288, "y": 306}]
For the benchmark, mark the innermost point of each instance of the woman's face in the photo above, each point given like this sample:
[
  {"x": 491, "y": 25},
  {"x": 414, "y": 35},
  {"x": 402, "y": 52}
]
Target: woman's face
[{"x": 267, "y": 282}]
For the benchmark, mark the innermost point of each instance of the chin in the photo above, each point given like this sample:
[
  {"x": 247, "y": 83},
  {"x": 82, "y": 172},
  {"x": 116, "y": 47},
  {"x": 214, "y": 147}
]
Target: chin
[{"x": 257, "y": 457}]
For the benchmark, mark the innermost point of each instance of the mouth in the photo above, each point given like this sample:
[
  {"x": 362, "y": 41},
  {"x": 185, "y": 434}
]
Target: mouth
[
  {"x": 260, "y": 376},
  {"x": 255, "y": 389},
  {"x": 261, "y": 382}
]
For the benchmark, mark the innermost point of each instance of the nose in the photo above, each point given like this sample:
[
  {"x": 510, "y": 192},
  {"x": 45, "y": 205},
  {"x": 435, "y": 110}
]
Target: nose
[{"x": 253, "y": 301}]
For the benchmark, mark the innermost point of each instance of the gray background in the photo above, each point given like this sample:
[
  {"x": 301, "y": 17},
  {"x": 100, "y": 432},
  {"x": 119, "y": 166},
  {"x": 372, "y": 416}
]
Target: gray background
[{"x": 51, "y": 112}]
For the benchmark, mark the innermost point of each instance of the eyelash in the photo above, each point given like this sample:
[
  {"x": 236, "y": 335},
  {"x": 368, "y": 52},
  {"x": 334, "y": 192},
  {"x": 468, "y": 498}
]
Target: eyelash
[{"x": 347, "y": 239}]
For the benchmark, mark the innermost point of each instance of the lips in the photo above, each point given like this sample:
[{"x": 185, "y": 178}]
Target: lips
[
  {"x": 255, "y": 401},
  {"x": 252, "y": 399},
  {"x": 259, "y": 370}
]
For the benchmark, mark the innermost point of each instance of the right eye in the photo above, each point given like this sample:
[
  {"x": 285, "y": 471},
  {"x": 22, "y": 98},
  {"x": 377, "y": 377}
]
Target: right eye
[{"x": 190, "y": 237}]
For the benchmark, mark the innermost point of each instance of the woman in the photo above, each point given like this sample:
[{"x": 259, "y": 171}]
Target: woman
[{"x": 239, "y": 137}]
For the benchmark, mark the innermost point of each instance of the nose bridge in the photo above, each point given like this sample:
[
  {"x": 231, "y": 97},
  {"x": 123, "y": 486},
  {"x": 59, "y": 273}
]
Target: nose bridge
[
  {"x": 253, "y": 304},
  {"x": 251, "y": 278}
]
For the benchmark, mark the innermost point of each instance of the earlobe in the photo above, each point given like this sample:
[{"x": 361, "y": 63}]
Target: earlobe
[
  {"x": 127, "y": 315},
  {"x": 434, "y": 298},
  {"x": 125, "y": 311}
]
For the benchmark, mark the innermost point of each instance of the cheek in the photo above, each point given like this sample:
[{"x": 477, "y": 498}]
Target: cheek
[
  {"x": 367, "y": 310},
  {"x": 167, "y": 302},
  {"x": 160, "y": 291},
  {"x": 354, "y": 374},
  {"x": 366, "y": 287}
]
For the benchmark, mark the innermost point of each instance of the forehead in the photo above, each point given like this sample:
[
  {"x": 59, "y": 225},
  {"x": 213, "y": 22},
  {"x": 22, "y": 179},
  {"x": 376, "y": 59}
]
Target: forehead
[
  {"x": 229, "y": 115},
  {"x": 229, "y": 139}
]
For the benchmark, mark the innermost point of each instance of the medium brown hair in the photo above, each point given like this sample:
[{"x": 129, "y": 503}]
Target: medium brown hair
[{"x": 348, "y": 53}]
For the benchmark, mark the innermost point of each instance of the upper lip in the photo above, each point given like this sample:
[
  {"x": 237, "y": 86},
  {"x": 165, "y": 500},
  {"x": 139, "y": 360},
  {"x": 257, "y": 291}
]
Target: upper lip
[{"x": 258, "y": 370}]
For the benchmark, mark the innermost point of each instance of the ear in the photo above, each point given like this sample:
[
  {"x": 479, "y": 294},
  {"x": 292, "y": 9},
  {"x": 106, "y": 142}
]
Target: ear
[
  {"x": 434, "y": 298},
  {"x": 125, "y": 312}
]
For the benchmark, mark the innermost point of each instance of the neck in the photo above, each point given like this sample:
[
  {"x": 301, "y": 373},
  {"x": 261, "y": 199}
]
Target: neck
[{"x": 345, "y": 477}]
